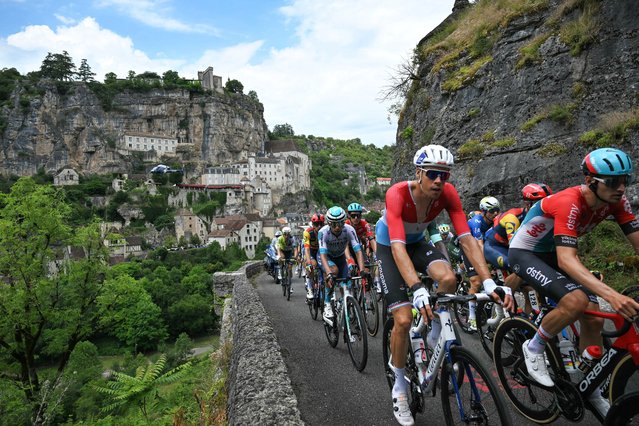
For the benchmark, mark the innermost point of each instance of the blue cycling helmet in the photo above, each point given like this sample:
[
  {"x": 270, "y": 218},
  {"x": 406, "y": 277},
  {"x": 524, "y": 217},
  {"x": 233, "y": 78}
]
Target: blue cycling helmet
[
  {"x": 354, "y": 207},
  {"x": 607, "y": 162},
  {"x": 335, "y": 214}
]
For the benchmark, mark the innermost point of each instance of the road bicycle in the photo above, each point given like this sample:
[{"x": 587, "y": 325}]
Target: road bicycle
[
  {"x": 316, "y": 304},
  {"x": 364, "y": 292},
  {"x": 464, "y": 382},
  {"x": 617, "y": 371},
  {"x": 287, "y": 276},
  {"x": 624, "y": 411},
  {"x": 350, "y": 321}
]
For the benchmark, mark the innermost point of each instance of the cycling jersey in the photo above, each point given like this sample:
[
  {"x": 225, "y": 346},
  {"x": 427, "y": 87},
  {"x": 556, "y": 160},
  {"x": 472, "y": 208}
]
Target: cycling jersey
[
  {"x": 363, "y": 230},
  {"x": 561, "y": 218},
  {"x": 286, "y": 244},
  {"x": 399, "y": 221},
  {"x": 335, "y": 245},
  {"x": 310, "y": 239},
  {"x": 505, "y": 225},
  {"x": 478, "y": 226}
]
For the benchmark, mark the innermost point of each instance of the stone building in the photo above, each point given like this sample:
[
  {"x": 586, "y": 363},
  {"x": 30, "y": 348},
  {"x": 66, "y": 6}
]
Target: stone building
[
  {"x": 188, "y": 224},
  {"x": 248, "y": 232},
  {"x": 66, "y": 177},
  {"x": 210, "y": 81}
]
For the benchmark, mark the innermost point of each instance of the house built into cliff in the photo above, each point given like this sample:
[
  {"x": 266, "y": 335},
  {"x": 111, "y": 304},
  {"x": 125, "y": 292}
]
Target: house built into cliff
[{"x": 66, "y": 177}]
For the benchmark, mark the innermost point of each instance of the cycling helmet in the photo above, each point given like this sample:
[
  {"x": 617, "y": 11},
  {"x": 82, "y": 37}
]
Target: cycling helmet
[
  {"x": 335, "y": 214},
  {"x": 278, "y": 234},
  {"x": 433, "y": 155},
  {"x": 535, "y": 191},
  {"x": 473, "y": 214},
  {"x": 607, "y": 162},
  {"x": 354, "y": 207},
  {"x": 488, "y": 203},
  {"x": 286, "y": 230},
  {"x": 443, "y": 228},
  {"x": 321, "y": 218},
  {"x": 315, "y": 218}
]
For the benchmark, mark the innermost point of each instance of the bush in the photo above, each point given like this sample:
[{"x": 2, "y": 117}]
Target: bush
[
  {"x": 551, "y": 150},
  {"x": 472, "y": 148}
]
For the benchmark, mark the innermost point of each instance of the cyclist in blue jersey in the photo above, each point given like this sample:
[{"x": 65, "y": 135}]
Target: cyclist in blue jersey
[
  {"x": 479, "y": 224},
  {"x": 334, "y": 238}
]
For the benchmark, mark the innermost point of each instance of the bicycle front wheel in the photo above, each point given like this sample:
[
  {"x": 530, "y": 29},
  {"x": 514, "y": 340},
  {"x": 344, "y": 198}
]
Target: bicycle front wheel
[
  {"x": 461, "y": 308},
  {"x": 532, "y": 400},
  {"x": 288, "y": 286},
  {"x": 624, "y": 379},
  {"x": 485, "y": 332},
  {"x": 355, "y": 334},
  {"x": 332, "y": 331},
  {"x": 476, "y": 398},
  {"x": 370, "y": 309},
  {"x": 625, "y": 411}
]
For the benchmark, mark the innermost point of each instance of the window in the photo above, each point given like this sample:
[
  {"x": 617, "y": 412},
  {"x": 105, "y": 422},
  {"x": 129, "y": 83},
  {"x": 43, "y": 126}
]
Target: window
[{"x": 130, "y": 145}]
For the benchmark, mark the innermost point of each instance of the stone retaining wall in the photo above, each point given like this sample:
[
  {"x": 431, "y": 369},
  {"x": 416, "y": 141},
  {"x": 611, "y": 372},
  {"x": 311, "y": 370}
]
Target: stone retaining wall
[{"x": 260, "y": 391}]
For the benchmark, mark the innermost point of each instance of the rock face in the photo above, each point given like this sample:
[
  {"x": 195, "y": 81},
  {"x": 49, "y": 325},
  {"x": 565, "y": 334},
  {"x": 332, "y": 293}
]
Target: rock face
[
  {"x": 527, "y": 118},
  {"x": 54, "y": 130}
]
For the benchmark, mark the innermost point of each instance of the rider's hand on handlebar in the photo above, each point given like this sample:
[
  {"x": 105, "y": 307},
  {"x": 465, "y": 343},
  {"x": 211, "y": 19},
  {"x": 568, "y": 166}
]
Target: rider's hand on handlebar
[
  {"x": 508, "y": 302},
  {"x": 420, "y": 302},
  {"x": 624, "y": 305},
  {"x": 330, "y": 280}
]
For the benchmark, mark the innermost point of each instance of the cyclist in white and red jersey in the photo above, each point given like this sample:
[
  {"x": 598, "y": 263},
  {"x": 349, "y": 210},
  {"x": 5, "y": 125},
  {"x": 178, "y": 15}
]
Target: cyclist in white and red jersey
[
  {"x": 402, "y": 251},
  {"x": 544, "y": 253}
]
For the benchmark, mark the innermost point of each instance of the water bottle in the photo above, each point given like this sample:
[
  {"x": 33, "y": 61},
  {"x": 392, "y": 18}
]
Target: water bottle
[
  {"x": 419, "y": 351},
  {"x": 590, "y": 354},
  {"x": 569, "y": 358}
]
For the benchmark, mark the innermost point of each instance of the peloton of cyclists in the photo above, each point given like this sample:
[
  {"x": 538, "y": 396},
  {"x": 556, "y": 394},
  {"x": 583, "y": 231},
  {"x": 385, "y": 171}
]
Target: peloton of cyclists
[
  {"x": 544, "y": 253},
  {"x": 334, "y": 238},
  {"x": 311, "y": 250},
  {"x": 402, "y": 251},
  {"x": 479, "y": 224}
]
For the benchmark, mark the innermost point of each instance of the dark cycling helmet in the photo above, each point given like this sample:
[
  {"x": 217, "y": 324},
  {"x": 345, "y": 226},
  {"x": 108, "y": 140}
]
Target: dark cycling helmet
[
  {"x": 354, "y": 207},
  {"x": 607, "y": 162},
  {"x": 335, "y": 214},
  {"x": 535, "y": 191}
]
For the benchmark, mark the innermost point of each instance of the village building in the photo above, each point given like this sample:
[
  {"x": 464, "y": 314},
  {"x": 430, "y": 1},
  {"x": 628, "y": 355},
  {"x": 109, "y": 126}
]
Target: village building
[{"x": 66, "y": 177}]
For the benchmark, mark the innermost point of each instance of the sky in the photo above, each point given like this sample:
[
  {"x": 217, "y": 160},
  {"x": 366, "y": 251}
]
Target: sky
[{"x": 320, "y": 66}]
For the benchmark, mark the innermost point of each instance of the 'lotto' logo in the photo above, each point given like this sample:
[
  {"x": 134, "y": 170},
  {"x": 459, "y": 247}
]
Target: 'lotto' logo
[{"x": 536, "y": 230}]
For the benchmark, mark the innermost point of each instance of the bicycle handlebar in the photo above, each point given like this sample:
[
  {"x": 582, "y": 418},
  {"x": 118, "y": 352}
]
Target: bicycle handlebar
[{"x": 622, "y": 325}]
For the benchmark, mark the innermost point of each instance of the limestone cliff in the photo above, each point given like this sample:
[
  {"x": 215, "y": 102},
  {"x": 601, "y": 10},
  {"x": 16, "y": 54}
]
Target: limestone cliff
[
  {"x": 521, "y": 91},
  {"x": 56, "y": 128}
]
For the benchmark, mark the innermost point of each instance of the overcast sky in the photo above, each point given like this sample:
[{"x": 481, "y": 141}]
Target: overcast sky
[{"x": 317, "y": 65}]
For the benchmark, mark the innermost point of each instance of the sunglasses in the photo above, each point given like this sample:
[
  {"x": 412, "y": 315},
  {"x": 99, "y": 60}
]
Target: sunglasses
[
  {"x": 613, "y": 182},
  {"x": 354, "y": 215},
  {"x": 495, "y": 210},
  {"x": 317, "y": 223},
  {"x": 336, "y": 224},
  {"x": 434, "y": 174}
]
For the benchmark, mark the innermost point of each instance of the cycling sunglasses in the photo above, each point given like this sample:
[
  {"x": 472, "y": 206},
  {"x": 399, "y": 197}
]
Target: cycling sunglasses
[
  {"x": 613, "y": 182},
  {"x": 495, "y": 210},
  {"x": 317, "y": 223},
  {"x": 354, "y": 215},
  {"x": 336, "y": 224},
  {"x": 434, "y": 174}
]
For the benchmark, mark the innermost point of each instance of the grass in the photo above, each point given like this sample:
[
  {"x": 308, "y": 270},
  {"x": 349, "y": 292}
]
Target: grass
[
  {"x": 465, "y": 75},
  {"x": 551, "y": 150},
  {"x": 473, "y": 112},
  {"x": 472, "y": 148},
  {"x": 560, "y": 113},
  {"x": 613, "y": 129},
  {"x": 581, "y": 32},
  {"x": 529, "y": 54},
  {"x": 503, "y": 143}
]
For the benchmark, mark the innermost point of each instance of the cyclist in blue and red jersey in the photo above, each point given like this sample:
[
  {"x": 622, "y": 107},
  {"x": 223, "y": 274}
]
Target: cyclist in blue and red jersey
[
  {"x": 479, "y": 223},
  {"x": 411, "y": 206},
  {"x": 544, "y": 253}
]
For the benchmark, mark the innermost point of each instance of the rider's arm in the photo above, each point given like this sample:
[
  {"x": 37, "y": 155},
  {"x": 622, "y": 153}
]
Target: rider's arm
[{"x": 475, "y": 255}]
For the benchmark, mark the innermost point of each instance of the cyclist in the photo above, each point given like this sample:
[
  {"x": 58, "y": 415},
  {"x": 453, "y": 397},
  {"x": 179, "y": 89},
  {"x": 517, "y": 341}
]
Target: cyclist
[
  {"x": 402, "y": 251},
  {"x": 273, "y": 249},
  {"x": 544, "y": 253},
  {"x": 365, "y": 235},
  {"x": 334, "y": 238},
  {"x": 478, "y": 224},
  {"x": 498, "y": 237},
  {"x": 452, "y": 245},
  {"x": 311, "y": 250},
  {"x": 287, "y": 249}
]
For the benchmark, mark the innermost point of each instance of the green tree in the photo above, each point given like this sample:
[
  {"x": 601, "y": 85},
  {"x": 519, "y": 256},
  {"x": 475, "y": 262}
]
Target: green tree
[
  {"x": 141, "y": 390},
  {"x": 234, "y": 86},
  {"x": 48, "y": 305},
  {"x": 58, "y": 66},
  {"x": 170, "y": 79},
  {"x": 252, "y": 94},
  {"x": 281, "y": 131},
  {"x": 110, "y": 78},
  {"x": 84, "y": 72}
]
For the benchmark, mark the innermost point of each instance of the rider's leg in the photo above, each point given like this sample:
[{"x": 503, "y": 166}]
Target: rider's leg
[{"x": 590, "y": 331}]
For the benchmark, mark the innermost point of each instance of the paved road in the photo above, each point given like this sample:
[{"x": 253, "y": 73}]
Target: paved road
[{"x": 328, "y": 388}]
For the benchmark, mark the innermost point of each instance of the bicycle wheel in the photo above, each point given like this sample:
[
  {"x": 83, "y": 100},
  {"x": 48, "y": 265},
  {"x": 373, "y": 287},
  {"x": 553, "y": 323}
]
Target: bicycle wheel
[
  {"x": 624, "y": 379},
  {"x": 477, "y": 398},
  {"x": 625, "y": 411},
  {"x": 331, "y": 330},
  {"x": 416, "y": 399},
  {"x": 531, "y": 399},
  {"x": 284, "y": 281},
  {"x": 368, "y": 302},
  {"x": 355, "y": 334},
  {"x": 461, "y": 309},
  {"x": 485, "y": 332},
  {"x": 313, "y": 304}
]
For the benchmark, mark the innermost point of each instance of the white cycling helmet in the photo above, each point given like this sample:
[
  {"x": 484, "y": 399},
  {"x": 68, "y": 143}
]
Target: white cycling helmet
[
  {"x": 489, "y": 203},
  {"x": 433, "y": 155},
  {"x": 278, "y": 234},
  {"x": 286, "y": 230}
]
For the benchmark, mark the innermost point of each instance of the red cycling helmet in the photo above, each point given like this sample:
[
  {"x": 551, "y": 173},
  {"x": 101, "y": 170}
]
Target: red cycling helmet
[
  {"x": 535, "y": 191},
  {"x": 317, "y": 218}
]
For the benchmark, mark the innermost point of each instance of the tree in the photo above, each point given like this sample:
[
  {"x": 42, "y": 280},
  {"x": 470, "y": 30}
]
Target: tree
[
  {"x": 170, "y": 79},
  {"x": 48, "y": 305},
  {"x": 234, "y": 86},
  {"x": 141, "y": 389},
  {"x": 110, "y": 78},
  {"x": 58, "y": 66},
  {"x": 252, "y": 94},
  {"x": 84, "y": 72},
  {"x": 283, "y": 131}
]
